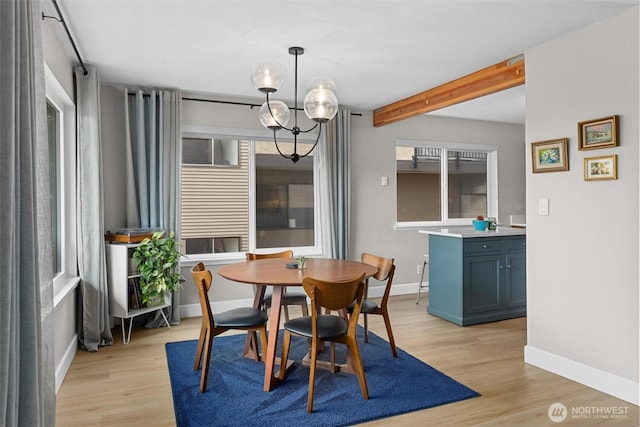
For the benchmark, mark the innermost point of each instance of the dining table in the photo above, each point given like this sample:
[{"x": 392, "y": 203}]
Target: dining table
[{"x": 280, "y": 273}]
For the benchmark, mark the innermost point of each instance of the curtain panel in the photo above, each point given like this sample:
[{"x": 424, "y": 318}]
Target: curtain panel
[
  {"x": 154, "y": 158},
  {"x": 334, "y": 156},
  {"x": 27, "y": 371},
  {"x": 94, "y": 329}
]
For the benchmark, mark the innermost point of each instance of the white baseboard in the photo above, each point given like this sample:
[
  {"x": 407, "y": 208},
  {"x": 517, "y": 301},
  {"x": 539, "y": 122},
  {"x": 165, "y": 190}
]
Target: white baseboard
[
  {"x": 193, "y": 310},
  {"x": 65, "y": 362},
  {"x": 600, "y": 380}
]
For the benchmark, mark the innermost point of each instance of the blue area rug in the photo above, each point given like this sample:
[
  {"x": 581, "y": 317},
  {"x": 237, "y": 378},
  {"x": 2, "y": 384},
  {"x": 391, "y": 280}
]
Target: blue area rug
[{"x": 234, "y": 395}]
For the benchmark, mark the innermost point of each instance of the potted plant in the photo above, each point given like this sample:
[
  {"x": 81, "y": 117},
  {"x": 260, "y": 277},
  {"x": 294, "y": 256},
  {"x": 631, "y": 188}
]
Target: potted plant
[{"x": 157, "y": 259}]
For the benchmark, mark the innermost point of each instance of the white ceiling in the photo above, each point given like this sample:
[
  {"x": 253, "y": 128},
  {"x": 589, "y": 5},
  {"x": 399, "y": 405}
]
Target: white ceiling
[{"x": 378, "y": 52}]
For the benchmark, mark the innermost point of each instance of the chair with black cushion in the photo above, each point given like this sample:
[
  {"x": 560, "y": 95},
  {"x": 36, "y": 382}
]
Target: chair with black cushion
[
  {"x": 244, "y": 318},
  {"x": 288, "y": 297},
  {"x": 386, "y": 269},
  {"x": 325, "y": 327}
]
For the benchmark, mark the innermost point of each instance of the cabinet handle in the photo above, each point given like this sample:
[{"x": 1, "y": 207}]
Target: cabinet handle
[
  {"x": 484, "y": 246},
  {"x": 501, "y": 267}
]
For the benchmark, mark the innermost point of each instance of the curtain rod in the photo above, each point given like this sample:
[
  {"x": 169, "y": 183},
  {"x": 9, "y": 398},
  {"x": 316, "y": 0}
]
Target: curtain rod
[
  {"x": 238, "y": 103},
  {"x": 64, "y": 24}
]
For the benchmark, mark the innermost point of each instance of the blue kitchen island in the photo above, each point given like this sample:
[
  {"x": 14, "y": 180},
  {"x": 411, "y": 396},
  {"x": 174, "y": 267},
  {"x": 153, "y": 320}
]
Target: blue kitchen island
[{"x": 477, "y": 276}]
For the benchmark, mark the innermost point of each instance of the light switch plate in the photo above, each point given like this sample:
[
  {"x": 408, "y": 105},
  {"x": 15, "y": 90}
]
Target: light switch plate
[
  {"x": 384, "y": 181},
  {"x": 543, "y": 207}
]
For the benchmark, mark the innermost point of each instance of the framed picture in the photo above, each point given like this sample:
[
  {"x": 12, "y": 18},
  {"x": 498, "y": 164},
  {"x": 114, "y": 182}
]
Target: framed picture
[
  {"x": 601, "y": 168},
  {"x": 550, "y": 156},
  {"x": 599, "y": 133}
]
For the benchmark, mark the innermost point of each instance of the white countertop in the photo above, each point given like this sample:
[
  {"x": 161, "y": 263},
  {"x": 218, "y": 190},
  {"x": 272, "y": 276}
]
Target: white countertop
[{"x": 465, "y": 232}]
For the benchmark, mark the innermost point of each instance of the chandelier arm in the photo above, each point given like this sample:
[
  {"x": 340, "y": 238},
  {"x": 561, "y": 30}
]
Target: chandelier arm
[
  {"x": 275, "y": 141},
  {"x": 314, "y": 144},
  {"x": 274, "y": 117},
  {"x": 310, "y": 129}
]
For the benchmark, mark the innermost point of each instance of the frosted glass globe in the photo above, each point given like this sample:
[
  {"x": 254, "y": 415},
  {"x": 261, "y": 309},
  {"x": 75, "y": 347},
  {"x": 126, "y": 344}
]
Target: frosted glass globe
[
  {"x": 267, "y": 77},
  {"x": 321, "y": 82},
  {"x": 277, "y": 118},
  {"x": 321, "y": 105}
]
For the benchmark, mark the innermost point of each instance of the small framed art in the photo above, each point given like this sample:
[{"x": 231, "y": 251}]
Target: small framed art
[
  {"x": 600, "y": 133},
  {"x": 601, "y": 168},
  {"x": 550, "y": 156}
]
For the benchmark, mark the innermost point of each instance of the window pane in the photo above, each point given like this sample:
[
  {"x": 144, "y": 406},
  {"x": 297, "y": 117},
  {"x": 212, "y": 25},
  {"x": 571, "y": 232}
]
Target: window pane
[
  {"x": 198, "y": 246},
  {"x": 53, "y": 126},
  {"x": 284, "y": 197},
  {"x": 225, "y": 152},
  {"x": 418, "y": 184},
  {"x": 467, "y": 190},
  {"x": 196, "y": 151},
  {"x": 215, "y": 205}
]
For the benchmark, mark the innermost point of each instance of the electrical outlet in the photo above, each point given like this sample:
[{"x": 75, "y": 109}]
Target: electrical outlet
[{"x": 419, "y": 268}]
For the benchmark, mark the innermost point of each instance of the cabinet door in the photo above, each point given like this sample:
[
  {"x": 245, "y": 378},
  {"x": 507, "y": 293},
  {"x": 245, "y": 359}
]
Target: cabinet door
[
  {"x": 482, "y": 284},
  {"x": 516, "y": 279}
]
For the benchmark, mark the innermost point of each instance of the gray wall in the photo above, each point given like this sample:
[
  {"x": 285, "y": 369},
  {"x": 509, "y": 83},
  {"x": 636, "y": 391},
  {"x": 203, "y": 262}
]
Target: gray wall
[
  {"x": 65, "y": 341},
  {"x": 582, "y": 259},
  {"x": 373, "y": 206}
]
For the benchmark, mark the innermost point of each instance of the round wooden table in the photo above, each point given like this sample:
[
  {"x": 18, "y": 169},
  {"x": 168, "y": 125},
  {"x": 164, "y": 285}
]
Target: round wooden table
[{"x": 274, "y": 272}]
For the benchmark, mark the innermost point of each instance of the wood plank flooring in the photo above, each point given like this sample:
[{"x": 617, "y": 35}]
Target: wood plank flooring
[{"x": 129, "y": 385}]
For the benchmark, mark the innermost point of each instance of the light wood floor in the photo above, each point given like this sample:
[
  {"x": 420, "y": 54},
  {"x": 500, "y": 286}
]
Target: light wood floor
[{"x": 129, "y": 385}]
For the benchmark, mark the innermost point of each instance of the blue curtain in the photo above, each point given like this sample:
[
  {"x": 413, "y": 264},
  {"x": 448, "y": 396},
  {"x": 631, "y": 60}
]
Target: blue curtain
[
  {"x": 334, "y": 157},
  {"x": 27, "y": 372},
  {"x": 154, "y": 157}
]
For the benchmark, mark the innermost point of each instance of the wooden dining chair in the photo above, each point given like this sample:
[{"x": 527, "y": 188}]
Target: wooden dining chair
[
  {"x": 288, "y": 297},
  {"x": 325, "y": 327},
  {"x": 386, "y": 270},
  {"x": 243, "y": 318}
]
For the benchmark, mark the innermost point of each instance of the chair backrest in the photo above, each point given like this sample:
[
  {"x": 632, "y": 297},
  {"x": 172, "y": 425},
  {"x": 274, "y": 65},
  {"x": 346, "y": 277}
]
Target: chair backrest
[
  {"x": 335, "y": 296},
  {"x": 386, "y": 270},
  {"x": 284, "y": 254},
  {"x": 203, "y": 279}
]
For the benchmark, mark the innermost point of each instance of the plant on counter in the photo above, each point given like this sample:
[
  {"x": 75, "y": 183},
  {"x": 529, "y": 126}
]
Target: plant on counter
[{"x": 157, "y": 259}]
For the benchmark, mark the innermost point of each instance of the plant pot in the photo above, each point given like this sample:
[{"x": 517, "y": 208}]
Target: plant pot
[{"x": 155, "y": 301}]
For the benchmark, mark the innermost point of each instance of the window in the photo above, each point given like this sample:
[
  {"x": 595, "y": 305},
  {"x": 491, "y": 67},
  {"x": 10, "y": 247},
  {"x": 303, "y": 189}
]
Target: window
[
  {"x": 62, "y": 167},
  {"x": 444, "y": 183},
  {"x": 210, "y": 151},
  {"x": 53, "y": 124},
  {"x": 239, "y": 195}
]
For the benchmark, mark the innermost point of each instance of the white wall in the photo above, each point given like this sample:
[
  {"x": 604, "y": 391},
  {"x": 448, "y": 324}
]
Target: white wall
[{"x": 582, "y": 259}]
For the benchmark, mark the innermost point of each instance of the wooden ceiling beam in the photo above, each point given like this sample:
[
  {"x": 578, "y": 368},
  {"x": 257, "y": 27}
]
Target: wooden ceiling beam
[{"x": 501, "y": 76}]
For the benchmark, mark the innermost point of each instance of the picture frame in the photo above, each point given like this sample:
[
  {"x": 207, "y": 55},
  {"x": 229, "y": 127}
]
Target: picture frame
[
  {"x": 550, "y": 155},
  {"x": 599, "y": 133},
  {"x": 601, "y": 168}
]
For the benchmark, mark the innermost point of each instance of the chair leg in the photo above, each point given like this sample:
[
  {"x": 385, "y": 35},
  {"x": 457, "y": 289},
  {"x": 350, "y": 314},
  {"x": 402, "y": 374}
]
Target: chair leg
[
  {"x": 286, "y": 312},
  {"x": 203, "y": 332},
  {"x": 333, "y": 357},
  {"x": 424, "y": 265},
  {"x": 263, "y": 343},
  {"x": 305, "y": 309},
  {"x": 312, "y": 375},
  {"x": 352, "y": 345},
  {"x": 366, "y": 328},
  {"x": 208, "y": 344},
  {"x": 387, "y": 324}
]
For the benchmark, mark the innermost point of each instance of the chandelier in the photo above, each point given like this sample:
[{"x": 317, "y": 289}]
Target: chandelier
[{"x": 320, "y": 102}]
